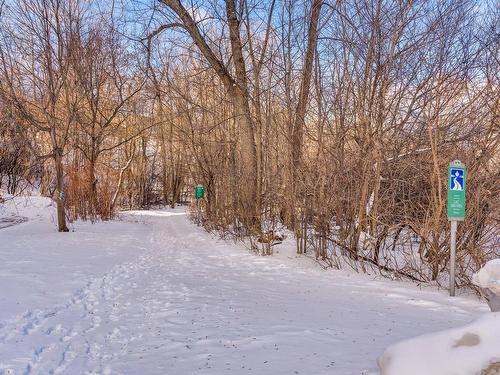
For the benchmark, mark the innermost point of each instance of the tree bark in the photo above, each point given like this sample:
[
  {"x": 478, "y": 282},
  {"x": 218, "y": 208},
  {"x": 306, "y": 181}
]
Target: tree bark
[
  {"x": 120, "y": 183},
  {"x": 297, "y": 127},
  {"x": 61, "y": 215}
]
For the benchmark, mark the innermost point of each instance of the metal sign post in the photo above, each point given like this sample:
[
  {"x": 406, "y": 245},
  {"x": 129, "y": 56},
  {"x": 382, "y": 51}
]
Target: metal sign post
[
  {"x": 456, "y": 210},
  {"x": 453, "y": 256}
]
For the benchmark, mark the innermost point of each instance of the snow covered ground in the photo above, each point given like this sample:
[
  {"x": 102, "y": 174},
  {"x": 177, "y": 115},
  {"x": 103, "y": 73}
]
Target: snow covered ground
[
  {"x": 40, "y": 267},
  {"x": 154, "y": 294}
]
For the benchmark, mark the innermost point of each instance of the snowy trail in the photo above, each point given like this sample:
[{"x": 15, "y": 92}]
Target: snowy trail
[
  {"x": 6, "y": 222},
  {"x": 193, "y": 305}
]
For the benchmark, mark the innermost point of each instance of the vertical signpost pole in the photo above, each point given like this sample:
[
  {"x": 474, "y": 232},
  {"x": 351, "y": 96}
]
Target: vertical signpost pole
[
  {"x": 453, "y": 252},
  {"x": 456, "y": 210},
  {"x": 198, "y": 215}
]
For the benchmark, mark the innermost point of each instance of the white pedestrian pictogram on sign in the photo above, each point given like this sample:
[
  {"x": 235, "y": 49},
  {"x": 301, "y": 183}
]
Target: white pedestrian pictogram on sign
[{"x": 457, "y": 180}]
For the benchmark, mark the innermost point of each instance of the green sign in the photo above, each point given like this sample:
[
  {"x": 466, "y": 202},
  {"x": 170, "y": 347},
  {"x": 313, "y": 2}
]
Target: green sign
[
  {"x": 456, "y": 190},
  {"x": 199, "y": 191}
]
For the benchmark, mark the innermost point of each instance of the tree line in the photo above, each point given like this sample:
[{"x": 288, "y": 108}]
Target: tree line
[{"x": 334, "y": 120}]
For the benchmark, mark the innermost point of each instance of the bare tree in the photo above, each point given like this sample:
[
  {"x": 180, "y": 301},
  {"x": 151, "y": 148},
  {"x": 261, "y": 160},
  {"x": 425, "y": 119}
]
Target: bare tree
[
  {"x": 36, "y": 55},
  {"x": 237, "y": 88},
  {"x": 106, "y": 85}
]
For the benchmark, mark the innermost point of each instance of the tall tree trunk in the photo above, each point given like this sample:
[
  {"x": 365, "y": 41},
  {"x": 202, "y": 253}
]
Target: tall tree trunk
[
  {"x": 163, "y": 150},
  {"x": 297, "y": 127},
  {"x": 249, "y": 211},
  {"x": 61, "y": 216},
  {"x": 248, "y": 196},
  {"x": 249, "y": 164},
  {"x": 120, "y": 183},
  {"x": 173, "y": 170},
  {"x": 92, "y": 188}
]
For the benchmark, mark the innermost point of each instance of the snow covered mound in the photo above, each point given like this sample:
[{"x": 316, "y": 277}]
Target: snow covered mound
[
  {"x": 470, "y": 350},
  {"x": 489, "y": 276},
  {"x": 488, "y": 279},
  {"x": 27, "y": 208}
]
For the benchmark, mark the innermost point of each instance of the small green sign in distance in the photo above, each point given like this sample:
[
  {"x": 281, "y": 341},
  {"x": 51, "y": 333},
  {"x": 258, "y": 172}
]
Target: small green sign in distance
[
  {"x": 456, "y": 190},
  {"x": 199, "y": 192}
]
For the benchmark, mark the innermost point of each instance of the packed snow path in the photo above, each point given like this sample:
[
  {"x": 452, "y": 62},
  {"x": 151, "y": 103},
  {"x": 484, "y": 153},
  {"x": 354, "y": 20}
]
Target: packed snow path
[{"x": 189, "y": 304}]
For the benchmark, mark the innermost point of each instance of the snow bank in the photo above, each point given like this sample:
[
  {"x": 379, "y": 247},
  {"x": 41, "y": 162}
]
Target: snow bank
[
  {"x": 29, "y": 207},
  {"x": 488, "y": 279},
  {"x": 470, "y": 350},
  {"x": 489, "y": 276}
]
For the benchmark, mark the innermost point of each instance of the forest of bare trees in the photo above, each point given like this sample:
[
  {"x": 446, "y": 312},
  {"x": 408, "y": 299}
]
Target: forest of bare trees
[{"x": 333, "y": 121}]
